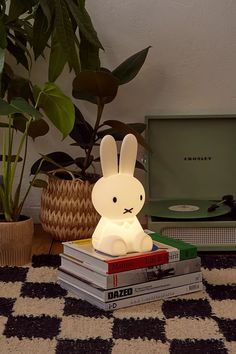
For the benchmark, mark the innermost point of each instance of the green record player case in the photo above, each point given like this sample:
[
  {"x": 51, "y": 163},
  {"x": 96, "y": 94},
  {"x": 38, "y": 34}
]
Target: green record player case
[{"x": 192, "y": 158}]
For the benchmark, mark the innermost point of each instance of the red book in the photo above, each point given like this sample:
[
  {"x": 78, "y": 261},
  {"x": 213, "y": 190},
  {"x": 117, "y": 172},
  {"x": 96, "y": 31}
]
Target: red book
[{"x": 83, "y": 251}]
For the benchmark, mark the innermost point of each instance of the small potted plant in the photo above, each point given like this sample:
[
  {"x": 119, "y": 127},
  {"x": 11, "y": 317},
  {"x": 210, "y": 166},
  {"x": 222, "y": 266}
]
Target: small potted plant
[
  {"x": 66, "y": 207},
  {"x": 29, "y": 27},
  {"x": 19, "y": 117}
]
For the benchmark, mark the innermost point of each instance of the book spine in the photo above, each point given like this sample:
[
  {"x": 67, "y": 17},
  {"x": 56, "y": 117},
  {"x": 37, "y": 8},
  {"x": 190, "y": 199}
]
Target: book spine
[
  {"x": 131, "y": 301},
  {"x": 148, "y": 287},
  {"x": 153, "y": 273},
  {"x": 187, "y": 251},
  {"x": 142, "y": 261},
  {"x": 174, "y": 255},
  {"x": 159, "y": 295}
]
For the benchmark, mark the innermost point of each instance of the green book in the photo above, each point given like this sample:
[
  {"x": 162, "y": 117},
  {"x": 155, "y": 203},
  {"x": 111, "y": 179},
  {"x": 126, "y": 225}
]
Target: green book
[{"x": 187, "y": 250}]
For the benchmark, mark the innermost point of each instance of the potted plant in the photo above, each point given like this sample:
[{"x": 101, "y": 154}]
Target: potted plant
[
  {"x": 16, "y": 230},
  {"x": 36, "y": 25},
  {"x": 66, "y": 207}
]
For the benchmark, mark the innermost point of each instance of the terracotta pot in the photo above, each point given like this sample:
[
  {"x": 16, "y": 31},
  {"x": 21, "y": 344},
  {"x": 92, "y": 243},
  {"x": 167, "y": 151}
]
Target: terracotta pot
[
  {"x": 67, "y": 212},
  {"x": 16, "y": 242}
]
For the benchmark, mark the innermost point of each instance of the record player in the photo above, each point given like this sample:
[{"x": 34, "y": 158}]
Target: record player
[{"x": 191, "y": 166}]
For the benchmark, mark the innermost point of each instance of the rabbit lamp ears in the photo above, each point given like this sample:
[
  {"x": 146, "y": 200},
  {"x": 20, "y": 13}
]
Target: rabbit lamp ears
[{"x": 128, "y": 154}]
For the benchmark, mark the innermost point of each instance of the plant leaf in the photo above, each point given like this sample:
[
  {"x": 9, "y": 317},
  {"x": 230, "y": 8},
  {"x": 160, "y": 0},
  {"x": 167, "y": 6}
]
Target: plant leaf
[
  {"x": 84, "y": 22},
  {"x": 39, "y": 183},
  {"x": 65, "y": 34},
  {"x": 52, "y": 161},
  {"x": 37, "y": 128},
  {"x": 126, "y": 129},
  {"x": 17, "y": 8},
  {"x": 82, "y": 131},
  {"x": 41, "y": 32},
  {"x": 79, "y": 161},
  {"x": 93, "y": 85},
  {"x": 19, "y": 87},
  {"x": 89, "y": 54},
  {"x": 127, "y": 70},
  {"x": 57, "y": 59},
  {"x": 22, "y": 106},
  {"x": 57, "y": 107},
  {"x": 3, "y": 37},
  {"x": 18, "y": 54},
  {"x": 47, "y": 9},
  {"x": 6, "y": 108}
]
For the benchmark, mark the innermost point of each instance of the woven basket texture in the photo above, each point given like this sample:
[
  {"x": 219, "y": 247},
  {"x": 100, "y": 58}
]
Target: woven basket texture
[{"x": 67, "y": 212}]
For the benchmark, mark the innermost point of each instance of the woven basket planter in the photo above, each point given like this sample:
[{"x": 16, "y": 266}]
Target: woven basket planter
[{"x": 67, "y": 212}]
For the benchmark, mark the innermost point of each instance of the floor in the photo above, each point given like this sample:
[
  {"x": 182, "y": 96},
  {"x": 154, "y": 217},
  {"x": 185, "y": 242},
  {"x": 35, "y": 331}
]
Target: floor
[{"x": 43, "y": 242}]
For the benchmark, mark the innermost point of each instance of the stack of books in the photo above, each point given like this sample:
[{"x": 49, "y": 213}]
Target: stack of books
[{"x": 172, "y": 268}]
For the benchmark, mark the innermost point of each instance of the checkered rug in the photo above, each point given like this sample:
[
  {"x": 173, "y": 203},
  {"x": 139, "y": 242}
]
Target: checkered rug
[{"x": 38, "y": 317}]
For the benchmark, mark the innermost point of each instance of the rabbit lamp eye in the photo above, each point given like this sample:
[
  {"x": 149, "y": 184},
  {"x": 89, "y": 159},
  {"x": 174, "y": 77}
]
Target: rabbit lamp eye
[{"x": 118, "y": 197}]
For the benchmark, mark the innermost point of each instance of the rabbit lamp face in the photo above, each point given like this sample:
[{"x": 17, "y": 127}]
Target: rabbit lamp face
[{"x": 118, "y": 197}]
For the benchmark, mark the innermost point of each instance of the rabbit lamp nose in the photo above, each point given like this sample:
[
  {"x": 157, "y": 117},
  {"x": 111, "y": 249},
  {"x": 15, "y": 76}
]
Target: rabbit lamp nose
[{"x": 118, "y": 197}]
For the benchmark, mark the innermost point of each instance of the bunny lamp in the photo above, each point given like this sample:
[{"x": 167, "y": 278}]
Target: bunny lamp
[{"x": 118, "y": 197}]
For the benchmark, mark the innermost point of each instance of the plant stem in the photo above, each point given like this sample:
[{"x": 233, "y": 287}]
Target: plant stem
[
  {"x": 18, "y": 189},
  {"x": 100, "y": 107},
  {"x": 13, "y": 170},
  {"x": 28, "y": 189}
]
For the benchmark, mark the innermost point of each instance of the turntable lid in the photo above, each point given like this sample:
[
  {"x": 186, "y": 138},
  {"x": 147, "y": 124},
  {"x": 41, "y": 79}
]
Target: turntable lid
[{"x": 192, "y": 157}]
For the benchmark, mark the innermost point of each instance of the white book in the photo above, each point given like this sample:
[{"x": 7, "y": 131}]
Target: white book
[
  {"x": 83, "y": 251},
  {"x": 131, "y": 301},
  {"x": 131, "y": 290},
  {"x": 135, "y": 276}
]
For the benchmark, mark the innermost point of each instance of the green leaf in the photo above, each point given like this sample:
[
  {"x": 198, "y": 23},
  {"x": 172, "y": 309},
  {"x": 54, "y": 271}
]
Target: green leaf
[
  {"x": 84, "y": 22},
  {"x": 6, "y": 108},
  {"x": 126, "y": 129},
  {"x": 66, "y": 34},
  {"x": 3, "y": 36},
  {"x": 22, "y": 106},
  {"x": 47, "y": 8},
  {"x": 57, "y": 107},
  {"x": 127, "y": 70},
  {"x": 89, "y": 54},
  {"x": 39, "y": 183},
  {"x": 93, "y": 85},
  {"x": 57, "y": 59},
  {"x": 52, "y": 161},
  {"x": 41, "y": 32}
]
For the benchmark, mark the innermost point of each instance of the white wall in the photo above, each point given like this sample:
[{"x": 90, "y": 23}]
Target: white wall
[{"x": 190, "y": 67}]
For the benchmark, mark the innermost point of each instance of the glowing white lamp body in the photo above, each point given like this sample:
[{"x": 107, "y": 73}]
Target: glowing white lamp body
[{"x": 118, "y": 197}]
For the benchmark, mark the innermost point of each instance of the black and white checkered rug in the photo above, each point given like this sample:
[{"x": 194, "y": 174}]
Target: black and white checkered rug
[{"x": 39, "y": 317}]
